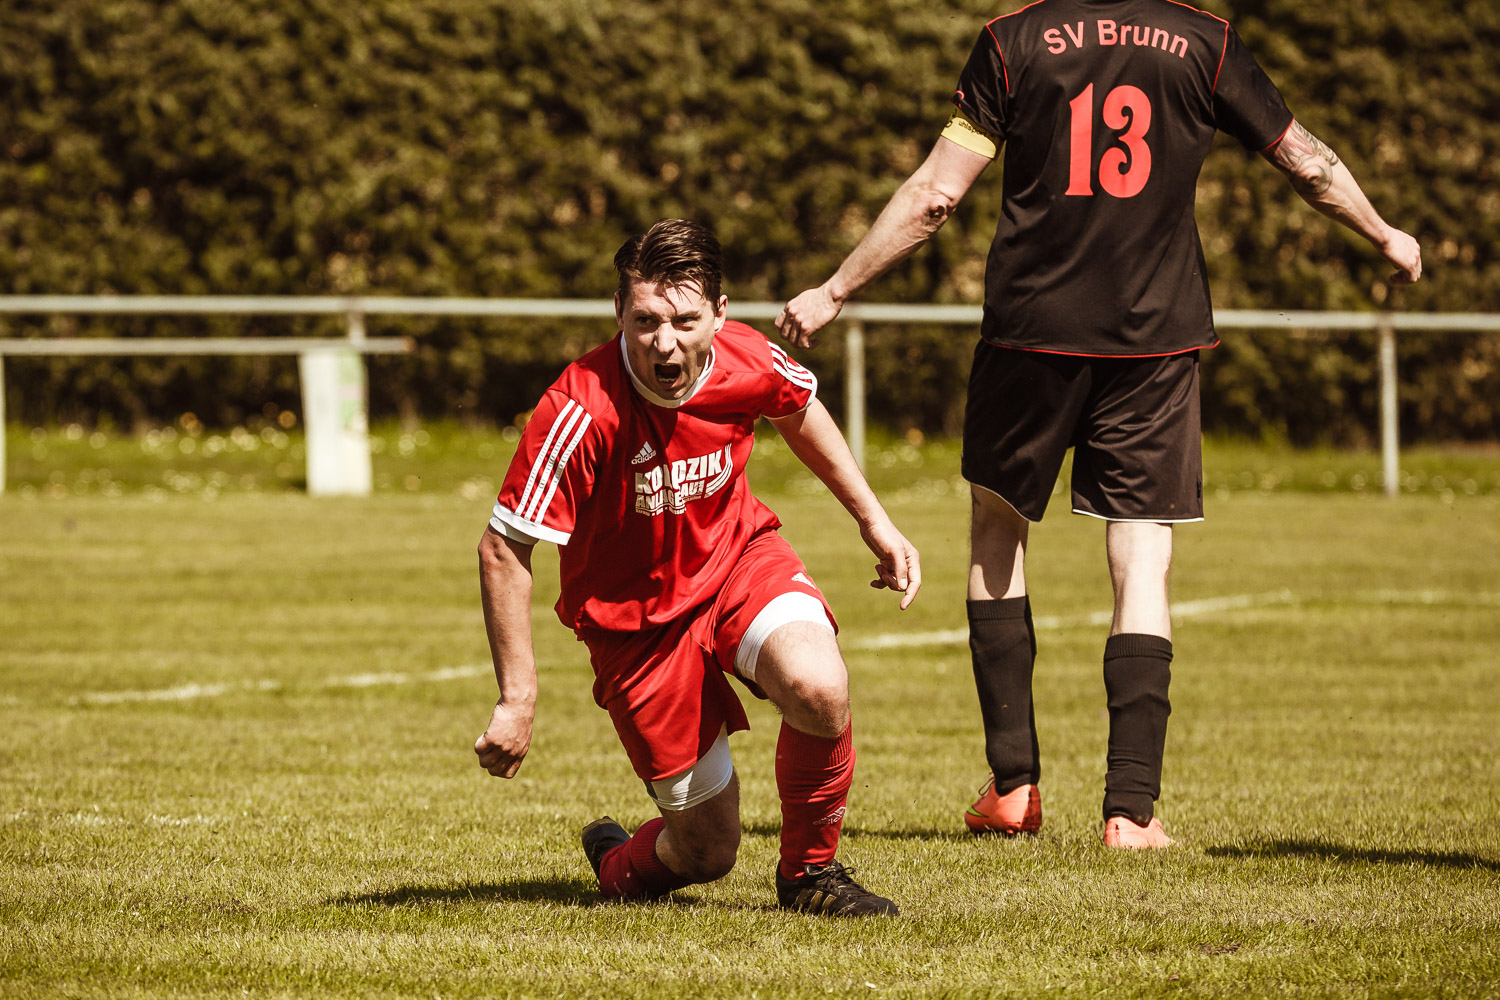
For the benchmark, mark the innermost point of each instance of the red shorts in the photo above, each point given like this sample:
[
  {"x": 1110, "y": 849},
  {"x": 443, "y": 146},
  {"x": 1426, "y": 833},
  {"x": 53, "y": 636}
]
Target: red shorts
[{"x": 666, "y": 688}]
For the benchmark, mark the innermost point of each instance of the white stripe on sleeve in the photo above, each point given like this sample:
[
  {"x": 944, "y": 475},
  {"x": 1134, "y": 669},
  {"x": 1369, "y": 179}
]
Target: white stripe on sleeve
[
  {"x": 790, "y": 370},
  {"x": 541, "y": 456},
  {"x": 562, "y": 462},
  {"x": 549, "y": 463}
]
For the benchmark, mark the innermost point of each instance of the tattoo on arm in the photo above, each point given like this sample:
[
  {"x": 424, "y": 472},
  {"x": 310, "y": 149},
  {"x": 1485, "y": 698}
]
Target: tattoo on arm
[{"x": 1306, "y": 160}]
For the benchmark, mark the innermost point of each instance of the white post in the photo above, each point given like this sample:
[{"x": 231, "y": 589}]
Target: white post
[
  {"x": 2, "y": 423},
  {"x": 1389, "y": 430},
  {"x": 335, "y": 415},
  {"x": 854, "y": 390},
  {"x": 356, "y": 327}
]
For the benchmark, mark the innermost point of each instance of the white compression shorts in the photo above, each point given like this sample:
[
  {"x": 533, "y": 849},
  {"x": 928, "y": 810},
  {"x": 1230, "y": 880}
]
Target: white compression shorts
[
  {"x": 713, "y": 771},
  {"x": 793, "y": 606},
  {"x": 699, "y": 783}
]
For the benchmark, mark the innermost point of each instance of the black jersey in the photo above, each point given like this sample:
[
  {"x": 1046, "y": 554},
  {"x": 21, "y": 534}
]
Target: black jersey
[{"x": 1107, "y": 109}]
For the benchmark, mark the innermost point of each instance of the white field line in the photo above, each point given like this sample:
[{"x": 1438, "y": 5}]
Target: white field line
[
  {"x": 1185, "y": 609},
  {"x": 1478, "y": 599},
  {"x": 95, "y": 818},
  {"x": 191, "y": 692},
  {"x": 892, "y": 640}
]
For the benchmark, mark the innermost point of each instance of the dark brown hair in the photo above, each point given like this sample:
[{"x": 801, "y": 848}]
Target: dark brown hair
[{"x": 673, "y": 252}]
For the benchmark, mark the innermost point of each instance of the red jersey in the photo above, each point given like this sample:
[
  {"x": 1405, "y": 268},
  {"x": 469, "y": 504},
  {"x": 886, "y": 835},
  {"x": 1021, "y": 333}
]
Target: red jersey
[{"x": 646, "y": 497}]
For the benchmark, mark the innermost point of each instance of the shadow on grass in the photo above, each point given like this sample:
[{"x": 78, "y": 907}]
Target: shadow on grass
[
  {"x": 577, "y": 891},
  {"x": 580, "y": 892},
  {"x": 1322, "y": 851},
  {"x": 773, "y": 830}
]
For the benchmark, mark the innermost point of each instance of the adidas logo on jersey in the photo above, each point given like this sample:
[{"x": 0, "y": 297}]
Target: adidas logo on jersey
[{"x": 646, "y": 454}]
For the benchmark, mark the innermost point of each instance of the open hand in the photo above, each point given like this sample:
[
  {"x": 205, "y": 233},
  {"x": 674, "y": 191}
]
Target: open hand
[{"x": 900, "y": 567}]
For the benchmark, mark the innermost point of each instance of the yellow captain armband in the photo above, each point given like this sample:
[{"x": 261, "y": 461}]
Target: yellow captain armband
[{"x": 962, "y": 130}]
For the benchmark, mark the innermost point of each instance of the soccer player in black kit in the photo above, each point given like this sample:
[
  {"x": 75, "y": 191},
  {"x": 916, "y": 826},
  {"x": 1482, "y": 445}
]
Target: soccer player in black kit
[{"x": 1096, "y": 306}]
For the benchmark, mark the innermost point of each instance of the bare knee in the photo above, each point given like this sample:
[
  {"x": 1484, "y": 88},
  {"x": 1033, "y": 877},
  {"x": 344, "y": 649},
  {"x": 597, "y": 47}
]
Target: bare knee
[
  {"x": 821, "y": 694},
  {"x": 997, "y": 548},
  {"x": 708, "y": 859},
  {"x": 811, "y": 694},
  {"x": 803, "y": 674},
  {"x": 1140, "y": 554},
  {"x": 1140, "y": 563}
]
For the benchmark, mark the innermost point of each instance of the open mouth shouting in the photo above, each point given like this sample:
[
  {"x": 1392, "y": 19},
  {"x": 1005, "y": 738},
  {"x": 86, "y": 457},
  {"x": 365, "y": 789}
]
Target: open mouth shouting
[{"x": 667, "y": 375}]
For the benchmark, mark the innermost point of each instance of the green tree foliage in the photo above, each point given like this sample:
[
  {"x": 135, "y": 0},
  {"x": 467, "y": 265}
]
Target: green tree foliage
[
  {"x": 1408, "y": 94},
  {"x": 460, "y": 147}
]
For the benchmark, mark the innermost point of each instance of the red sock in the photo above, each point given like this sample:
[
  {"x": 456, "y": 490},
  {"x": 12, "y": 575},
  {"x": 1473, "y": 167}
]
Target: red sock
[
  {"x": 633, "y": 871},
  {"x": 813, "y": 775}
]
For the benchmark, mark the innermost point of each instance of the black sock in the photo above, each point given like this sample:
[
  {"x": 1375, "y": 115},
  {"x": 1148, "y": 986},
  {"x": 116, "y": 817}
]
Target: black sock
[
  {"x": 1003, "y": 646},
  {"x": 1137, "y": 671}
]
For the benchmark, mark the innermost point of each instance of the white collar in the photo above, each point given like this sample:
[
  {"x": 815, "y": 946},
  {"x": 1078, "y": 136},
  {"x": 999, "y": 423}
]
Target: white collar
[{"x": 652, "y": 397}]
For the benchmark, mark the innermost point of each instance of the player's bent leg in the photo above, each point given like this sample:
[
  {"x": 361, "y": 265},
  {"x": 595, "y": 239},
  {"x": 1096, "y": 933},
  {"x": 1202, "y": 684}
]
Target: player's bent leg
[
  {"x": 1002, "y": 645},
  {"x": 696, "y": 839},
  {"x": 803, "y": 674},
  {"x": 1137, "y": 676},
  {"x": 799, "y": 667},
  {"x": 701, "y": 842},
  {"x": 801, "y": 671}
]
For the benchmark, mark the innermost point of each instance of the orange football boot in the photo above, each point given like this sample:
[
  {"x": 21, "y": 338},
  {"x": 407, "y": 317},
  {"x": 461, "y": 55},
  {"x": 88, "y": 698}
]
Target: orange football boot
[
  {"x": 1127, "y": 834},
  {"x": 1017, "y": 811}
]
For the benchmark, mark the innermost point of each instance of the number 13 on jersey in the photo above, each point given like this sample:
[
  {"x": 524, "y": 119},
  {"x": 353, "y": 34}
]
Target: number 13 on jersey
[{"x": 1125, "y": 107}]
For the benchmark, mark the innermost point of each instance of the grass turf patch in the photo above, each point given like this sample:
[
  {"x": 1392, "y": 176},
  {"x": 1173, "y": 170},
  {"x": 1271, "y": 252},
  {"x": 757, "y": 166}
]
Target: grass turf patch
[
  {"x": 270, "y": 456},
  {"x": 234, "y": 755}
]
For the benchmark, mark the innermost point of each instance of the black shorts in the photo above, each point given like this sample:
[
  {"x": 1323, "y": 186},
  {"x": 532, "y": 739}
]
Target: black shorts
[{"x": 1134, "y": 425}]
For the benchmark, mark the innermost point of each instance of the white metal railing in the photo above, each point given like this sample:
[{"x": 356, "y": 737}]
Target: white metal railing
[
  {"x": 334, "y": 391},
  {"x": 335, "y": 395}
]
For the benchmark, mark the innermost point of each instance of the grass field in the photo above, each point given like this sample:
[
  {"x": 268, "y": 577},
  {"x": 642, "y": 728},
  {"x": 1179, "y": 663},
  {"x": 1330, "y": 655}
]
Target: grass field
[{"x": 235, "y": 730}]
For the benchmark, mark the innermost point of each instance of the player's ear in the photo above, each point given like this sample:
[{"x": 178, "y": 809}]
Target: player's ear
[
  {"x": 721, "y": 313},
  {"x": 619, "y": 310}
]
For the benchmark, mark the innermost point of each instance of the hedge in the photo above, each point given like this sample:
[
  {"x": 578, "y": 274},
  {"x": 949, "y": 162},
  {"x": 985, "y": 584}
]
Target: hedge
[{"x": 459, "y": 147}]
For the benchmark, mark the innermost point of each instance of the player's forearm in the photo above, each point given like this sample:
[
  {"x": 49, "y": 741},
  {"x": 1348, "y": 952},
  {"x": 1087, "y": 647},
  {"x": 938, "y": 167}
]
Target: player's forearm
[
  {"x": 817, "y": 442},
  {"x": 917, "y": 210},
  {"x": 914, "y": 213},
  {"x": 1346, "y": 203},
  {"x": 1323, "y": 180},
  {"x": 505, "y": 584}
]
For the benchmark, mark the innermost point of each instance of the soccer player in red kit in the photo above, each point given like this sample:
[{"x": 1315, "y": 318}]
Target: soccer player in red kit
[
  {"x": 675, "y": 577},
  {"x": 1096, "y": 306}
]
